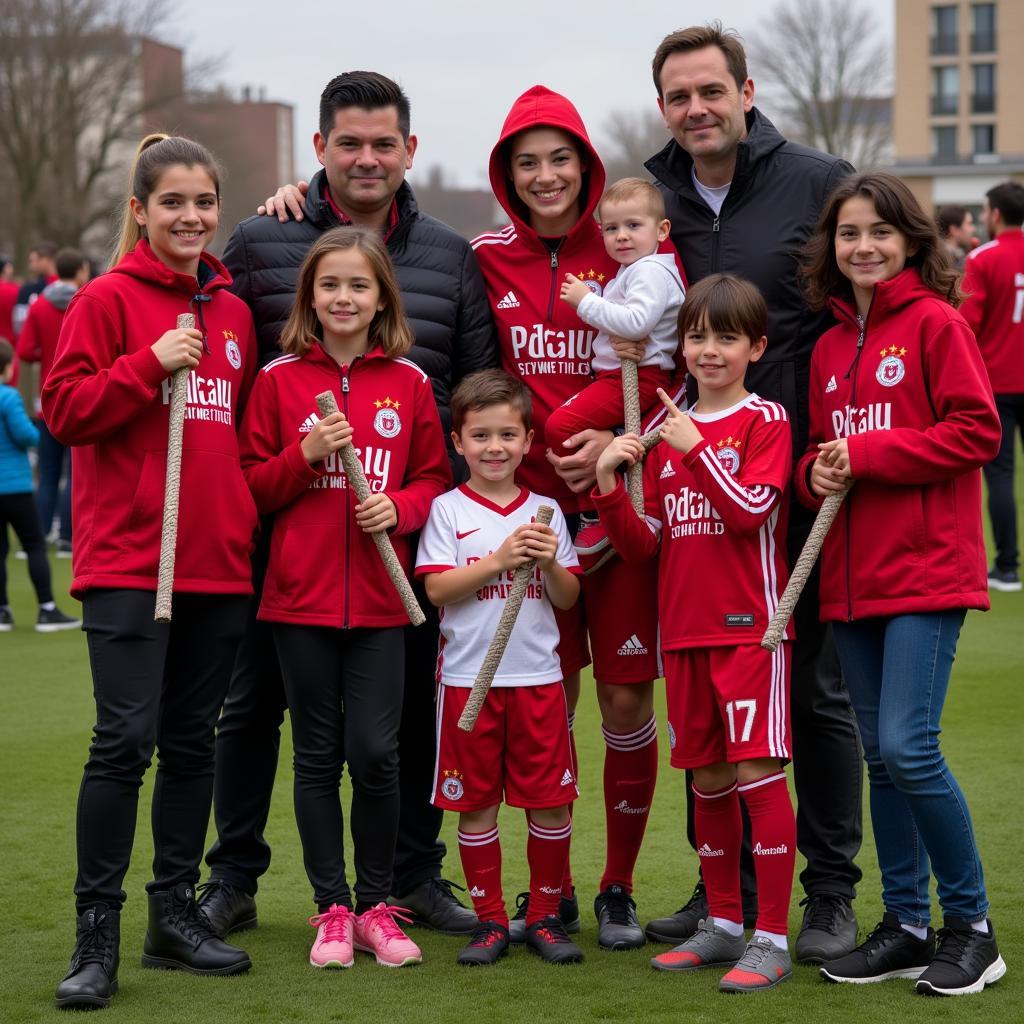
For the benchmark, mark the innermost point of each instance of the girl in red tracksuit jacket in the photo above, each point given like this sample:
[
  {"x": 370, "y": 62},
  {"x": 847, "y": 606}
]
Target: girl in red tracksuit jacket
[
  {"x": 337, "y": 619},
  {"x": 902, "y": 415},
  {"x": 156, "y": 685},
  {"x": 548, "y": 178}
]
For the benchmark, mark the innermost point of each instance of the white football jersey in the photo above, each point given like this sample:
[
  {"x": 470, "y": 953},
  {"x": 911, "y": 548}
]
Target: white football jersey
[{"x": 462, "y": 528}]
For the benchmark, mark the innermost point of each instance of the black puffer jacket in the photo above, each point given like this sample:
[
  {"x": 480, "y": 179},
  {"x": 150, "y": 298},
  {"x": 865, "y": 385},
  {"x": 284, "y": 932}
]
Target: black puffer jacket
[
  {"x": 437, "y": 273},
  {"x": 777, "y": 192}
]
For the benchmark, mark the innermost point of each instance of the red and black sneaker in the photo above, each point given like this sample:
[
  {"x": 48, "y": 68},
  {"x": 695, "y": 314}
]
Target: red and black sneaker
[
  {"x": 550, "y": 941},
  {"x": 488, "y": 945}
]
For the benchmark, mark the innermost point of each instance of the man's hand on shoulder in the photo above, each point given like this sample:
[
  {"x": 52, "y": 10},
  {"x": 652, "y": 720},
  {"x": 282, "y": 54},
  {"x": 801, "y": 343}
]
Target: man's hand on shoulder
[{"x": 287, "y": 202}]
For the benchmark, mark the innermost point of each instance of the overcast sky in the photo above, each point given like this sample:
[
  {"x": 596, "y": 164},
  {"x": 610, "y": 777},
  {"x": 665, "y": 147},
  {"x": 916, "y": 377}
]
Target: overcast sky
[{"x": 461, "y": 63}]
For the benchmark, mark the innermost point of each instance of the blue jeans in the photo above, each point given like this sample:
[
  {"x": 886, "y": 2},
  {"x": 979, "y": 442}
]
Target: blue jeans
[
  {"x": 897, "y": 672},
  {"x": 53, "y": 456}
]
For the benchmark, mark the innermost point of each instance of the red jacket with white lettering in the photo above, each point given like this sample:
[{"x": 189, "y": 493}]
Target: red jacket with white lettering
[
  {"x": 994, "y": 307},
  {"x": 324, "y": 570},
  {"x": 912, "y": 397},
  {"x": 108, "y": 396}
]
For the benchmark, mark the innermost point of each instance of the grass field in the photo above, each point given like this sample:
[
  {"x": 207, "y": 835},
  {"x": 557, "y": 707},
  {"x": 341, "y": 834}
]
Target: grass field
[{"x": 44, "y": 734}]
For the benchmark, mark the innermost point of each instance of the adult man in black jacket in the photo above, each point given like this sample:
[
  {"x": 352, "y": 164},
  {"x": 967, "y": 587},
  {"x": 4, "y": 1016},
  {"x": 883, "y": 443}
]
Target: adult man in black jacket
[
  {"x": 743, "y": 200},
  {"x": 365, "y": 147}
]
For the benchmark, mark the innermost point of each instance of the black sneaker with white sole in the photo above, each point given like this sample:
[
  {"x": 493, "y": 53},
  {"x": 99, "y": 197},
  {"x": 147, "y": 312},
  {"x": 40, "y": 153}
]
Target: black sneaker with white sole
[
  {"x": 888, "y": 952},
  {"x": 568, "y": 913},
  {"x": 53, "y": 620},
  {"x": 548, "y": 939},
  {"x": 6, "y": 619},
  {"x": 618, "y": 927},
  {"x": 1006, "y": 580},
  {"x": 964, "y": 963}
]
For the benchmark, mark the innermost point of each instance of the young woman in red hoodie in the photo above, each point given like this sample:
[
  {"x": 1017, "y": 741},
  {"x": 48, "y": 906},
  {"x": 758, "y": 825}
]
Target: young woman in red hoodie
[
  {"x": 902, "y": 416},
  {"x": 548, "y": 178},
  {"x": 157, "y": 686},
  {"x": 337, "y": 619}
]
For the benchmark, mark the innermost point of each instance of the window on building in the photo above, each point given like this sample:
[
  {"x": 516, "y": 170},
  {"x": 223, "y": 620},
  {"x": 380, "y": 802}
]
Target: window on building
[
  {"x": 983, "y": 139},
  {"x": 944, "y": 29},
  {"x": 946, "y": 90},
  {"x": 983, "y": 28},
  {"x": 983, "y": 88},
  {"x": 944, "y": 143}
]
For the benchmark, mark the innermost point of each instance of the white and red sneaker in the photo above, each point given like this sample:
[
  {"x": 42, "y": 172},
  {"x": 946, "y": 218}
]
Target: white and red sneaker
[
  {"x": 377, "y": 931},
  {"x": 333, "y": 944},
  {"x": 593, "y": 546}
]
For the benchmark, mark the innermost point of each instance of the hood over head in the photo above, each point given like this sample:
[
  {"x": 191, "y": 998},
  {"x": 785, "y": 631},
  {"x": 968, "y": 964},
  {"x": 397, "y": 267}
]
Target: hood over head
[{"x": 540, "y": 107}]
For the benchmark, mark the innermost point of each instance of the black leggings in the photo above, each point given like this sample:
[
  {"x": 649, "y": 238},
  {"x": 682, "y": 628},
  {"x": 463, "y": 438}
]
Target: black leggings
[
  {"x": 157, "y": 686},
  {"x": 344, "y": 690},
  {"x": 20, "y": 511}
]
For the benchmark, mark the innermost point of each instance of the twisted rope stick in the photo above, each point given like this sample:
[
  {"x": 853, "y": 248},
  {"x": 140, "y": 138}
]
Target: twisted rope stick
[
  {"x": 502, "y": 632},
  {"x": 631, "y": 408},
  {"x": 798, "y": 579},
  {"x": 172, "y": 484},
  {"x": 326, "y": 404}
]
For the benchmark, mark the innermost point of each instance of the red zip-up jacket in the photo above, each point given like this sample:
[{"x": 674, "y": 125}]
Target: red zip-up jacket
[
  {"x": 37, "y": 342},
  {"x": 912, "y": 397},
  {"x": 324, "y": 570},
  {"x": 108, "y": 396},
  {"x": 994, "y": 307}
]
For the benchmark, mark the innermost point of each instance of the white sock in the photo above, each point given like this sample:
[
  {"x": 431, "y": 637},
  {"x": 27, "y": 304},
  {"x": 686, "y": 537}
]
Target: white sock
[
  {"x": 781, "y": 941},
  {"x": 919, "y": 933},
  {"x": 48, "y": 606},
  {"x": 980, "y": 926},
  {"x": 732, "y": 928}
]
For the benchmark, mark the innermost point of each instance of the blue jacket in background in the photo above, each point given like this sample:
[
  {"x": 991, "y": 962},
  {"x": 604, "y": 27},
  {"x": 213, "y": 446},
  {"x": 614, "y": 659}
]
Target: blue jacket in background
[{"x": 17, "y": 435}]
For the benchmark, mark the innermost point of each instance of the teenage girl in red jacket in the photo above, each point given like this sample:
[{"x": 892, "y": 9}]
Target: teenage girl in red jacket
[
  {"x": 337, "y": 619},
  {"x": 902, "y": 415},
  {"x": 156, "y": 685}
]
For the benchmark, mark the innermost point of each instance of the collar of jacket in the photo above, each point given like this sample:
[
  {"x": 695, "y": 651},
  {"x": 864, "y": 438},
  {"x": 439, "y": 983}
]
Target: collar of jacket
[
  {"x": 318, "y": 210},
  {"x": 673, "y": 166},
  {"x": 889, "y": 297}
]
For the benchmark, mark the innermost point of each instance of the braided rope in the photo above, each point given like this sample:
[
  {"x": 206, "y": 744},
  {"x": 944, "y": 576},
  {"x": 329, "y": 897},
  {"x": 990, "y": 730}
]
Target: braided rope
[
  {"x": 502, "y": 632},
  {"x": 326, "y": 404},
  {"x": 804, "y": 564},
  {"x": 172, "y": 484},
  {"x": 631, "y": 407}
]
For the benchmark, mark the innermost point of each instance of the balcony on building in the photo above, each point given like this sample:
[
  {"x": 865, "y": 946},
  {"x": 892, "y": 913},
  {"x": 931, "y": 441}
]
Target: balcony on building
[
  {"x": 945, "y": 45},
  {"x": 944, "y": 106}
]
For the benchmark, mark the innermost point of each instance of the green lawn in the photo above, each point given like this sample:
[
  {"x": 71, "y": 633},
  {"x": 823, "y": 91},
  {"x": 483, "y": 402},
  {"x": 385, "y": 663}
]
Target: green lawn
[{"x": 44, "y": 733}]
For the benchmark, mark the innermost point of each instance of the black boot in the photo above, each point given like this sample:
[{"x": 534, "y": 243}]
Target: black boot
[
  {"x": 179, "y": 938},
  {"x": 91, "y": 980}
]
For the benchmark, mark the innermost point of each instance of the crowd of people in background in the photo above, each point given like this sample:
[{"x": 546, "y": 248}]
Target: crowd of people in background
[{"x": 797, "y": 333}]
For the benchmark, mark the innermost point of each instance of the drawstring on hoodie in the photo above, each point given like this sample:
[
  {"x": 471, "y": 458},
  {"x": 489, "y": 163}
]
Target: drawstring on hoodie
[{"x": 197, "y": 303}]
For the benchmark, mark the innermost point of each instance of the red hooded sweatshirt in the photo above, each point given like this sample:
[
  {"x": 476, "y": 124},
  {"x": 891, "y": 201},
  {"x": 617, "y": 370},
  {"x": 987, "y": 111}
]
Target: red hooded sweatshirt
[
  {"x": 108, "y": 395},
  {"x": 542, "y": 340},
  {"x": 911, "y": 395},
  {"x": 324, "y": 570},
  {"x": 994, "y": 307}
]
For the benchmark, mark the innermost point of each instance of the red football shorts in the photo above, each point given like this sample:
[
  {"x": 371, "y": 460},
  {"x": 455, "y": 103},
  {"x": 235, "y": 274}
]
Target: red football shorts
[
  {"x": 727, "y": 704},
  {"x": 517, "y": 753}
]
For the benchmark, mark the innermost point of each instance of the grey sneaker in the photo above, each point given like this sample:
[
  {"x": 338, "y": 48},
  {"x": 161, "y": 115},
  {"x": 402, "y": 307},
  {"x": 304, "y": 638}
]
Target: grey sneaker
[
  {"x": 763, "y": 965},
  {"x": 709, "y": 946},
  {"x": 829, "y": 929},
  {"x": 617, "y": 924}
]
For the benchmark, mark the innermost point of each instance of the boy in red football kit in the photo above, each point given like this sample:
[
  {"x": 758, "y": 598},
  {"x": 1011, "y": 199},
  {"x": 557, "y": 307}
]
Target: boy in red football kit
[
  {"x": 475, "y": 538},
  {"x": 720, "y": 512}
]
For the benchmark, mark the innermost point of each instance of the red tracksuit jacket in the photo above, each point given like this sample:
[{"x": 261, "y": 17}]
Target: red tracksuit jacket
[
  {"x": 324, "y": 570},
  {"x": 108, "y": 395},
  {"x": 912, "y": 397},
  {"x": 994, "y": 283}
]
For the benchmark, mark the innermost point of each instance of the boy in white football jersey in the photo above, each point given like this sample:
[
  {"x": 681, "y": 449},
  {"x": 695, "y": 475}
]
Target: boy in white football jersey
[{"x": 475, "y": 538}]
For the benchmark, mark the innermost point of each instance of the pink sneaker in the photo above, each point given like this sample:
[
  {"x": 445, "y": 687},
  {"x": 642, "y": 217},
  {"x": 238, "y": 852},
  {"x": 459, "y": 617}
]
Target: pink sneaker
[
  {"x": 333, "y": 944},
  {"x": 377, "y": 932}
]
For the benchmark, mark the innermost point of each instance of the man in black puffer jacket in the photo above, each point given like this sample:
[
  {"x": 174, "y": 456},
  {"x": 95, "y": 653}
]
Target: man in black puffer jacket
[{"x": 365, "y": 147}]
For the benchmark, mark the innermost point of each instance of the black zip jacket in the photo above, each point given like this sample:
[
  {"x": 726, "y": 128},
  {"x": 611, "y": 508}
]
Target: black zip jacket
[
  {"x": 437, "y": 273},
  {"x": 777, "y": 193}
]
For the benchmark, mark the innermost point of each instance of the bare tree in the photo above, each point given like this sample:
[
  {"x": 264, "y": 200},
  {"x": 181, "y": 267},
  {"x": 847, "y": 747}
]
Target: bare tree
[
  {"x": 630, "y": 138},
  {"x": 829, "y": 72},
  {"x": 70, "y": 98}
]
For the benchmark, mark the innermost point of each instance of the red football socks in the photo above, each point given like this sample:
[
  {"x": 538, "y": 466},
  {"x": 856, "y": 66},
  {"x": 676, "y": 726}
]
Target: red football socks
[
  {"x": 547, "y": 851},
  {"x": 574, "y": 764},
  {"x": 481, "y": 864},
  {"x": 773, "y": 837},
  {"x": 719, "y": 829},
  {"x": 630, "y": 774}
]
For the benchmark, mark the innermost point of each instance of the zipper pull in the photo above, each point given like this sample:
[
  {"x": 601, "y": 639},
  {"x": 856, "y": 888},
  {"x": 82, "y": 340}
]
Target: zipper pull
[
  {"x": 862, "y": 324},
  {"x": 715, "y": 226},
  {"x": 344, "y": 380},
  {"x": 554, "y": 259}
]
